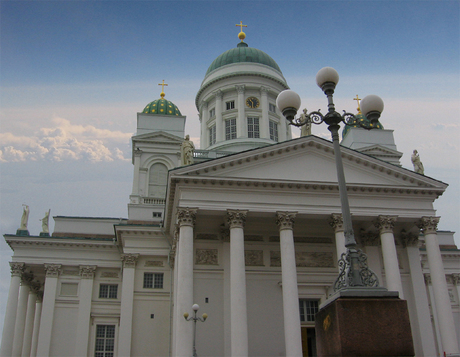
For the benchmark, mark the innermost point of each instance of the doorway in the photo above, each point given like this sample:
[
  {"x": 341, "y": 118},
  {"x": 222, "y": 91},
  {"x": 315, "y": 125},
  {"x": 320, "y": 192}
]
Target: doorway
[{"x": 308, "y": 342}]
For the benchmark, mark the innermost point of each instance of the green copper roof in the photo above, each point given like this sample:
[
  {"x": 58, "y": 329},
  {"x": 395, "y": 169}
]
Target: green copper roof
[
  {"x": 163, "y": 107},
  {"x": 242, "y": 53},
  {"x": 362, "y": 119}
]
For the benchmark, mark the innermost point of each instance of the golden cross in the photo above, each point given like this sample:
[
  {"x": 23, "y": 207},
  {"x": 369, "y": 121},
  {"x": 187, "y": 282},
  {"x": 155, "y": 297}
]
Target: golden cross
[
  {"x": 162, "y": 94},
  {"x": 241, "y": 26},
  {"x": 357, "y": 100}
]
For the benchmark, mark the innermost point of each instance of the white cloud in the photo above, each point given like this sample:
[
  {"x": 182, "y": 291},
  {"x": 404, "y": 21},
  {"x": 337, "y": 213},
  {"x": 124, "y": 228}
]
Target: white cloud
[{"x": 65, "y": 141}]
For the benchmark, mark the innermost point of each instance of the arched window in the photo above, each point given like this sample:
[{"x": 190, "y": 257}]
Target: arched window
[{"x": 158, "y": 175}]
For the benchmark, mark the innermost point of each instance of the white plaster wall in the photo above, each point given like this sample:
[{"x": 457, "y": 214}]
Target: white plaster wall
[{"x": 64, "y": 329}]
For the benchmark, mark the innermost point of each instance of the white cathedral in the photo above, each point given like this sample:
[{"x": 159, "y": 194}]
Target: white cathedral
[{"x": 249, "y": 227}]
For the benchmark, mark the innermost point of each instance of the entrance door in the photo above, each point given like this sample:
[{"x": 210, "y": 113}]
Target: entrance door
[{"x": 308, "y": 342}]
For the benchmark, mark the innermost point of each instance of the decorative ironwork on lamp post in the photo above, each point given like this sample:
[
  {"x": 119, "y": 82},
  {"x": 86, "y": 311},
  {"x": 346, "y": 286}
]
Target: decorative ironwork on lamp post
[
  {"x": 194, "y": 318},
  {"x": 354, "y": 272}
]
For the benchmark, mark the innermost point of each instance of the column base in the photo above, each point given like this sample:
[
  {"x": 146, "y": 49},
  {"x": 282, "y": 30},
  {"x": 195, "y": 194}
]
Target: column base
[{"x": 373, "y": 325}]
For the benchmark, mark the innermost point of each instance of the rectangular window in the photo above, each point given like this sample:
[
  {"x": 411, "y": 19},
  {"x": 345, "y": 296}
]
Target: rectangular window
[
  {"x": 308, "y": 309},
  {"x": 230, "y": 105},
  {"x": 273, "y": 130},
  {"x": 272, "y": 107},
  {"x": 212, "y": 135},
  {"x": 253, "y": 127},
  {"x": 212, "y": 112},
  {"x": 230, "y": 129},
  {"x": 108, "y": 291},
  {"x": 105, "y": 341},
  {"x": 153, "y": 280}
]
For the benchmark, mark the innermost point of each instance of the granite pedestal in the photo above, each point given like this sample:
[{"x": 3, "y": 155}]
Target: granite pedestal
[{"x": 365, "y": 324}]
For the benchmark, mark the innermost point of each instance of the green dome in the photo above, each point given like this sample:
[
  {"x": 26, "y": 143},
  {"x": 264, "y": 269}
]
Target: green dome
[
  {"x": 243, "y": 53},
  {"x": 362, "y": 119},
  {"x": 161, "y": 106}
]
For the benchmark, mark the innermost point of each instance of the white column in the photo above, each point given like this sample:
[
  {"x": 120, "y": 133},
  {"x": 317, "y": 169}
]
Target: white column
[
  {"x": 433, "y": 311},
  {"x": 29, "y": 324},
  {"x": 241, "y": 126},
  {"x": 11, "y": 309},
  {"x": 238, "y": 308},
  {"x": 19, "y": 326},
  {"x": 441, "y": 294},
  {"x": 336, "y": 222},
  {"x": 84, "y": 310},
  {"x": 227, "y": 313},
  {"x": 37, "y": 317},
  {"x": 220, "y": 136},
  {"x": 385, "y": 225},
  {"x": 137, "y": 165},
  {"x": 184, "y": 329},
  {"x": 456, "y": 281},
  {"x": 424, "y": 326},
  {"x": 264, "y": 127},
  {"x": 204, "y": 117},
  {"x": 292, "y": 334},
  {"x": 127, "y": 300},
  {"x": 47, "y": 317},
  {"x": 175, "y": 262}
]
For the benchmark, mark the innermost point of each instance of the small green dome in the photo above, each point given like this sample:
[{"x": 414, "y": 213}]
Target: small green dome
[
  {"x": 163, "y": 107},
  {"x": 362, "y": 119},
  {"x": 243, "y": 53}
]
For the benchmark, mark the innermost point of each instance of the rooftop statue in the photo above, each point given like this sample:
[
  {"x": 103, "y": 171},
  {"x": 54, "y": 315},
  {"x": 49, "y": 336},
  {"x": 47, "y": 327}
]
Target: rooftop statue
[
  {"x": 24, "y": 218},
  {"x": 186, "y": 151},
  {"x": 45, "y": 222},
  {"x": 418, "y": 166}
]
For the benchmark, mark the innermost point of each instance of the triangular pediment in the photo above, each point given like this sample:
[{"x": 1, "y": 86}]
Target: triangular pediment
[
  {"x": 307, "y": 160},
  {"x": 158, "y": 136}
]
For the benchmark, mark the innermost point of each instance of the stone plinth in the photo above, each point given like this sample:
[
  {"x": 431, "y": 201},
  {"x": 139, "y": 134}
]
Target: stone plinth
[{"x": 364, "y": 326}]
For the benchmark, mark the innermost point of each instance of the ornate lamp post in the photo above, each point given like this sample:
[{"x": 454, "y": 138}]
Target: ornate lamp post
[
  {"x": 354, "y": 272},
  {"x": 195, "y": 308}
]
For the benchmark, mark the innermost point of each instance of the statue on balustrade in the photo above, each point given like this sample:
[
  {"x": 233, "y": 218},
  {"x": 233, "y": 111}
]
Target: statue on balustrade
[{"x": 186, "y": 151}]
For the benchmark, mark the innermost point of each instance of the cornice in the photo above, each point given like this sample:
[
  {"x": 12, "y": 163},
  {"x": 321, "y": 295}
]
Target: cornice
[{"x": 17, "y": 241}]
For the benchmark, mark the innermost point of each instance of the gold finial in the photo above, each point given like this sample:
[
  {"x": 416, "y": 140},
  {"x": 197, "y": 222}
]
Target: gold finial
[
  {"x": 162, "y": 94},
  {"x": 241, "y": 35},
  {"x": 357, "y": 100}
]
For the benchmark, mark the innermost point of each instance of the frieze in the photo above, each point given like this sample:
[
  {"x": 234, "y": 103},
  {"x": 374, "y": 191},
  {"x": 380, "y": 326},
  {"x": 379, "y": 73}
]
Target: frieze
[
  {"x": 253, "y": 238},
  {"x": 206, "y": 236},
  {"x": 53, "y": 270},
  {"x": 314, "y": 259},
  {"x": 254, "y": 257},
  {"x": 109, "y": 274},
  {"x": 312, "y": 240},
  {"x": 154, "y": 263},
  {"x": 17, "y": 268},
  {"x": 206, "y": 257},
  {"x": 275, "y": 258},
  {"x": 70, "y": 272}
]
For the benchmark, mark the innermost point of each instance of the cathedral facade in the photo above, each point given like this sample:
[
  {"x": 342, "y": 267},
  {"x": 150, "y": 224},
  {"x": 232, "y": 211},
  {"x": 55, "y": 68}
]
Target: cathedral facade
[{"x": 248, "y": 227}]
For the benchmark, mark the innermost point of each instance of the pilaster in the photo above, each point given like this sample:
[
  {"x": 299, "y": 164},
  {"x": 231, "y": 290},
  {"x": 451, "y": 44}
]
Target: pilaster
[
  {"x": 84, "y": 309},
  {"x": 241, "y": 125},
  {"x": 219, "y": 123},
  {"x": 264, "y": 125}
]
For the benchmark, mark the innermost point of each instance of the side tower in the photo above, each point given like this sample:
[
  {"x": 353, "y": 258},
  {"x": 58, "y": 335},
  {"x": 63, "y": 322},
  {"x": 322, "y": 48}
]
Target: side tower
[
  {"x": 236, "y": 101},
  {"x": 155, "y": 150}
]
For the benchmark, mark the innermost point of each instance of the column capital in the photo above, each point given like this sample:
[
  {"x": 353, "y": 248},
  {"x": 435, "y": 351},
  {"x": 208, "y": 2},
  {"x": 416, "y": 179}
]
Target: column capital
[
  {"x": 236, "y": 218},
  {"x": 87, "y": 271},
  {"x": 409, "y": 239},
  {"x": 240, "y": 89},
  {"x": 264, "y": 90},
  {"x": 285, "y": 220},
  {"x": 35, "y": 287},
  {"x": 427, "y": 277},
  {"x": 385, "y": 224},
  {"x": 53, "y": 270},
  {"x": 218, "y": 94},
  {"x": 186, "y": 216},
  {"x": 369, "y": 238},
  {"x": 137, "y": 153},
  {"x": 27, "y": 278},
  {"x": 336, "y": 222},
  {"x": 428, "y": 225},
  {"x": 456, "y": 279},
  {"x": 17, "y": 268},
  {"x": 129, "y": 260}
]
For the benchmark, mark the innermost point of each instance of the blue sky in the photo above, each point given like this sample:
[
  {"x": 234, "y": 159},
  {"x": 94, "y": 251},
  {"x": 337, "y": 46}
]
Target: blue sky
[{"x": 75, "y": 73}]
